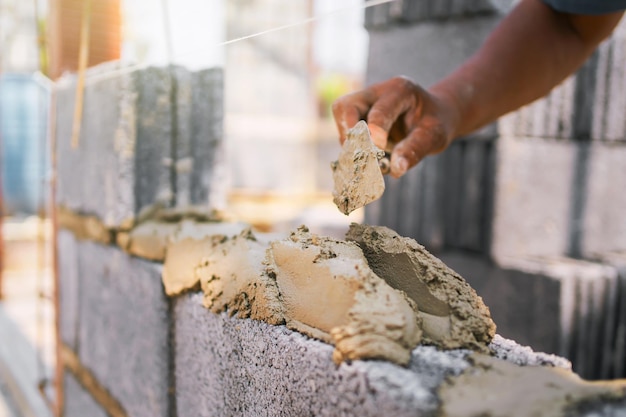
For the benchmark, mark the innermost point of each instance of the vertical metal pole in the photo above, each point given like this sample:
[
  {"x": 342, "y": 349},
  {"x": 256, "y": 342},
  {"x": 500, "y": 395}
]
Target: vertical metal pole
[{"x": 58, "y": 374}]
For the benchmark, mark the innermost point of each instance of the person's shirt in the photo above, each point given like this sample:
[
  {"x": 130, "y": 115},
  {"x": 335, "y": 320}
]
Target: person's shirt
[{"x": 587, "y": 6}]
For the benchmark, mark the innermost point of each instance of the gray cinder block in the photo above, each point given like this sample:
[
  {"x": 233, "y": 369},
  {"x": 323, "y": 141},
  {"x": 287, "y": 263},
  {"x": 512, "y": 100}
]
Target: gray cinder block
[
  {"x": 145, "y": 135},
  {"x": 78, "y": 402},
  {"x": 559, "y": 305},
  {"x": 604, "y": 204},
  {"x": 69, "y": 282},
  {"x": 609, "y": 100},
  {"x": 124, "y": 328},
  {"x": 558, "y": 198},
  {"x": 533, "y": 194},
  {"x": 436, "y": 48},
  {"x": 548, "y": 117},
  {"x": 229, "y": 366},
  {"x": 198, "y": 133}
]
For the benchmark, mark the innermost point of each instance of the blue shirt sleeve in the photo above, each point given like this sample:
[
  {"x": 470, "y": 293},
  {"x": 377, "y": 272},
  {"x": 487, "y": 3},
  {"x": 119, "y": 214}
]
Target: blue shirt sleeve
[{"x": 587, "y": 6}]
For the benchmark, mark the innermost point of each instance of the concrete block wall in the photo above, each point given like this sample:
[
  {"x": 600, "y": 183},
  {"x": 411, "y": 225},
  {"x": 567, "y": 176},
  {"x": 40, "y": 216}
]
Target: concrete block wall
[
  {"x": 128, "y": 350},
  {"x": 544, "y": 183}
]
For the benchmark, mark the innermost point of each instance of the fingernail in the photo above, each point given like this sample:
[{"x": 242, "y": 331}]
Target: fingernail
[{"x": 400, "y": 166}]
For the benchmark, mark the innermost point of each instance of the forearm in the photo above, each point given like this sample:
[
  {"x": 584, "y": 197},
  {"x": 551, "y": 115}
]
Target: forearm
[{"x": 530, "y": 52}]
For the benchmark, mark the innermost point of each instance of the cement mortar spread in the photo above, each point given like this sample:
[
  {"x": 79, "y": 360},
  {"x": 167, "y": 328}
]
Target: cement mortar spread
[
  {"x": 493, "y": 387},
  {"x": 453, "y": 315},
  {"x": 334, "y": 290}
]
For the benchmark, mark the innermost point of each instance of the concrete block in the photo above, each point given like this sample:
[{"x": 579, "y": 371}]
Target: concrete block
[
  {"x": 586, "y": 303},
  {"x": 124, "y": 328},
  {"x": 614, "y": 363},
  {"x": 533, "y": 197},
  {"x": 69, "y": 289},
  {"x": 155, "y": 110},
  {"x": 230, "y": 366},
  {"x": 609, "y": 100},
  {"x": 524, "y": 306},
  {"x": 547, "y": 117},
  {"x": 199, "y": 134},
  {"x": 143, "y": 137},
  {"x": 105, "y": 153},
  {"x": 78, "y": 402},
  {"x": 377, "y": 16},
  {"x": 557, "y": 305},
  {"x": 604, "y": 203},
  {"x": 413, "y": 11},
  {"x": 436, "y": 48}
]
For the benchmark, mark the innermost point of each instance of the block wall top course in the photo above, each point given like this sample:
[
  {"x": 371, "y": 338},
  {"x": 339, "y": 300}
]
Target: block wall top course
[
  {"x": 137, "y": 131},
  {"x": 247, "y": 367}
]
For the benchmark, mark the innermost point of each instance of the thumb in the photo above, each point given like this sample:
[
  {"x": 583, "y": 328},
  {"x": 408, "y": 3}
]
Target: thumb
[{"x": 411, "y": 150}]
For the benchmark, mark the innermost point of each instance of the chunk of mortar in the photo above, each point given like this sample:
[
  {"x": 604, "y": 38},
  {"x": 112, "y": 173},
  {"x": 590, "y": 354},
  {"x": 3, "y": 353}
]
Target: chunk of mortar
[
  {"x": 233, "y": 277},
  {"x": 496, "y": 387},
  {"x": 185, "y": 251},
  {"x": 147, "y": 240},
  {"x": 356, "y": 174},
  {"x": 453, "y": 315},
  {"x": 329, "y": 292}
]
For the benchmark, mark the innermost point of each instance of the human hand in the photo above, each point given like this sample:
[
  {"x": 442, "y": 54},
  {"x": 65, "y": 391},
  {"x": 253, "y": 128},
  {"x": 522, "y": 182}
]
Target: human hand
[{"x": 403, "y": 119}]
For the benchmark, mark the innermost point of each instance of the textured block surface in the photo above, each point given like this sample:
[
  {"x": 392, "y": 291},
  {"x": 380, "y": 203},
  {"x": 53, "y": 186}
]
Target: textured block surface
[
  {"x": 228, "y": 366},
  {"x": 69, "y": 288},
  {"x": 124, "y": 325},
  {"x": 436, "y": 49},
  {"x": 533, "y": 196},
  {"x": 604, "y": 205},
  {"x": 145, "y": 136},
  {"x": 78, "y": 402}
]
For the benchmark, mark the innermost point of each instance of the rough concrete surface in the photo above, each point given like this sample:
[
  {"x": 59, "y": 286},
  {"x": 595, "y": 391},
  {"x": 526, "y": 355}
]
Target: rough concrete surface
[
  {"x": 231, "y": 366},
  {"x": 124, "y": 326},
  {"x": 534, "y": 190},
  {"x": 69, "y": 287},
  {"x": 127, "y": 153},
  {"x": 604, "y": 221},
  {"x": 78, "y": 402}
]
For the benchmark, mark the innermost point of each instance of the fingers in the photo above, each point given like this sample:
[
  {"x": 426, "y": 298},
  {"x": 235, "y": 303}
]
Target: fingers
[
  {"x": 394, "y": 98},
  {"x": 382, "y": 104},
  {"x": 348, "y": 110},
  {"x": 426, "y": 139}
]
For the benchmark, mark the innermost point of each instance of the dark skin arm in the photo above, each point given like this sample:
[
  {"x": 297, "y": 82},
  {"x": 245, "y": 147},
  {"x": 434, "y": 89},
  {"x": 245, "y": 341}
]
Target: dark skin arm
[{"x": 530, "y": 52}]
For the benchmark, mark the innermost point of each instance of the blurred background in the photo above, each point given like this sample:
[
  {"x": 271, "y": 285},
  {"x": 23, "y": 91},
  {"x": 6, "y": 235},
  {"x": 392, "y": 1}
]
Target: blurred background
[
  {"x": 530, "y": 210},
  {"x": 277, "y": 129}
]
